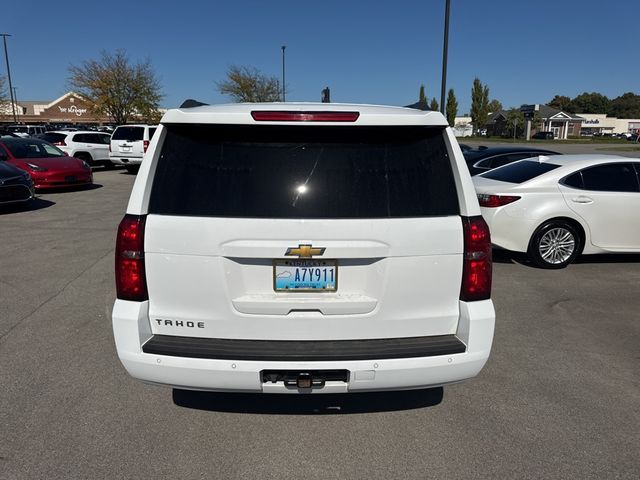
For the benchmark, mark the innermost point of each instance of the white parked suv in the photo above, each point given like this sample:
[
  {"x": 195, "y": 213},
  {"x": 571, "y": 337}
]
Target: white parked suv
[
  {"x": 129, "y": 143},
  {"x": 92, "y": 147},
  {"x": 307, "y": 248},
  {"x": 26, "y": 130}
]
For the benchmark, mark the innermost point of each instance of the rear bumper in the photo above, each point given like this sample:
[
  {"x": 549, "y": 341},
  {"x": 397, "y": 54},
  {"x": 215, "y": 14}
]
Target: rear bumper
[
  {"x": 303, "y": 351},
  {"x": 122, "y": 160},
  {"x": 461, "y": 357}
]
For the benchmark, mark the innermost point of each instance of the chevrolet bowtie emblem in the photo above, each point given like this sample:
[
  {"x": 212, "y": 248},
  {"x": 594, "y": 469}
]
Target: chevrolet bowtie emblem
[{"x": 304, "y": 251}]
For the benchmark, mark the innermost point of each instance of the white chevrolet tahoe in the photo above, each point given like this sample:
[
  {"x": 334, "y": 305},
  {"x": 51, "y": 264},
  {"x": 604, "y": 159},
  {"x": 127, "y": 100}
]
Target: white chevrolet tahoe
[{"x": 304, "y": 248}]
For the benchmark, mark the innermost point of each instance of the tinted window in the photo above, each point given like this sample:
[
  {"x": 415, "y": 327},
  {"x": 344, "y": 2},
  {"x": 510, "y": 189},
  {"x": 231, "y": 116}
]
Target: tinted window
[
  {"x": 303, "y": 172},
  {"x": 95, "y": 138},
  {"x": 128, "y": 133},
  {"x": 80, "y": 138},
  {"x": 53, "y": 137},
  {"x": 613, "y": 177},
  {"x": 574, "y": 180},
  {"x": 486, "y": 163},
  {"x": 31, "y": 149},
  {"x": 510, "y": 158},
  {"x": 151, "y": 132},
  {"x": 519, "y": 172}
]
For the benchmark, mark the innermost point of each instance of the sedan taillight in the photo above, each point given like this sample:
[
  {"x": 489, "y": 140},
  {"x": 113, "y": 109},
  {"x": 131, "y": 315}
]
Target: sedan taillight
[
  {"x": 493, "y": 201},
  {"x": 131, "y": 281},
  {"x": 477, "y": 265}
]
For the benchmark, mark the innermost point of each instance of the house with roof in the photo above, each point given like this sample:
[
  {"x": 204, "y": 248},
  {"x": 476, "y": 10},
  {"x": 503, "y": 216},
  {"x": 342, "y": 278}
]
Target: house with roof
[{"x": 562, "y": 124}]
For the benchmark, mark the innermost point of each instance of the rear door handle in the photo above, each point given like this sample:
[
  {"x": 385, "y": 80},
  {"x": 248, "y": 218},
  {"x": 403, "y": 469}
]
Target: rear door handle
[{"x": 582, "y": 199}]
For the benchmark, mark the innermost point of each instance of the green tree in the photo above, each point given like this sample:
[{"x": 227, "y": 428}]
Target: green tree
[
  {"x": 452, "y": 108},
  {"x": 479, "y": 104},
  {"x": 113, "y": 86},
  {"x": 561, "y": 103},
  {"x": 422, "y": 98},
  {"x": 514, "y": 122},
  {"x": 248, "y": 84},
  {"x": 494, "y": 106},
  {"x": 434, "y": 105},
  {"x": 626, "y": 105},
  {"x": 589, "y": 103}
]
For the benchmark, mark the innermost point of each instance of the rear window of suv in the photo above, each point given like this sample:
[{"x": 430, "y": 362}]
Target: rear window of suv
[
  {"x": 519, "y": 172},
  {"x": 303, "y": 172},
  {"x": 130, "y": 134}
]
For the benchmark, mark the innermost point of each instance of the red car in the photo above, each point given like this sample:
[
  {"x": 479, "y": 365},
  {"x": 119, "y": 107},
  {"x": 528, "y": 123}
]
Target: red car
[{"x": 48, "y": 166}]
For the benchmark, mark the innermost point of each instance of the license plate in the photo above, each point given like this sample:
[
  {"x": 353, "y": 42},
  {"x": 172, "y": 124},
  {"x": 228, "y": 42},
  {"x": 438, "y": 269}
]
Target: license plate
[
  {"x": 125, "y": 149},
  {"x": 305, "y": 275}
]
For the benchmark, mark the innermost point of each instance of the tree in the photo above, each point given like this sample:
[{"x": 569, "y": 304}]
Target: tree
[
  {"x": 561, "y": 103},
  {"x": 494, "y": 106},
  {"x": 248, "y": 84},
  {"x": 434, "y": 105},
  {"x": 422, "y": 98},
  {"x": 514, "y": 122},
  {"x": 625, "y": 106},
  {"x": 479, "y": 104},
  {"x": 452, "y": 108},
  {"x": 113, "y": 86},
  {"x": 589, "y": 103}
]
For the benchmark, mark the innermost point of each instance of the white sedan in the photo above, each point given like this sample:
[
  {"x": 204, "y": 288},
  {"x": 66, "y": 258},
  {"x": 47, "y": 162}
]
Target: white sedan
[{"x": 555, "y": 208}]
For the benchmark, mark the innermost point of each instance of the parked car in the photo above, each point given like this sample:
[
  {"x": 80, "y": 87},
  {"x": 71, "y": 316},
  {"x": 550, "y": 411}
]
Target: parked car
[
  {"x": 303, "y": 247},
  {"x": 15, "y": 184},
  {"x": 6, "y": 133},
  {"x": 129, "y": 143},
  {"x": 556, "y": 208},
  {"x": 26, "y": 130},
  {"x": 90, "y": 146},
  {"x": 485, "y": 158},
  {"x": 48, "y": 166},
  {"x": 543, "y": 136}
]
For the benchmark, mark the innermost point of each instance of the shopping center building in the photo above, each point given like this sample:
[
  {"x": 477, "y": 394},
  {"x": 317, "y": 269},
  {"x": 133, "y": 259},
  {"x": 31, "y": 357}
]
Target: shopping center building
[{"x": 70, "y": 108}]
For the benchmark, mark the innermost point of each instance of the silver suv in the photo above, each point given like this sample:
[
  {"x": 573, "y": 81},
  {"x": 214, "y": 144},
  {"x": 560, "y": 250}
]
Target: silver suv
[{"x": 303, "y": 248}]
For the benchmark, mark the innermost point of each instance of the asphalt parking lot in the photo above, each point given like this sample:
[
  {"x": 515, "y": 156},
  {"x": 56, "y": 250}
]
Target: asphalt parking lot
[{"x": 559, "y": 397}]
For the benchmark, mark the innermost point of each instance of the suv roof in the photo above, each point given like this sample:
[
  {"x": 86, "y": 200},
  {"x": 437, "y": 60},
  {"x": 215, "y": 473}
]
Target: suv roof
[{"x": 240, "y": 113}]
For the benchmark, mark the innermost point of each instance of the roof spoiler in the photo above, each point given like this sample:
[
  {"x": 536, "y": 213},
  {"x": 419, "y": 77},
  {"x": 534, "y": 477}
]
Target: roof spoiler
[{"x": 191, "y": 103}]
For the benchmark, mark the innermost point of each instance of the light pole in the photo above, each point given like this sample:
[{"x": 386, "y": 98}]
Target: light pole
[
  {"x": 283, "y": 88},
  {"x": 444, "y": 55},
  {"x": 6, "y": 57}
]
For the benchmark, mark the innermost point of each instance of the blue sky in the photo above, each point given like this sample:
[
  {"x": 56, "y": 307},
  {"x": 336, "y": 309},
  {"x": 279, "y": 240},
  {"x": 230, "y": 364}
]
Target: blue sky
[{"x": 365, "y": 51}]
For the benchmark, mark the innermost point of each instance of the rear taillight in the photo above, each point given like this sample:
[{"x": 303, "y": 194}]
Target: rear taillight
[
  {"x": 109, "y": 147},
  {"x": 276, "y": 116},
  {"x": 145, "y": 145},
  {"x": 131, "y": 282},
  {"x": 493, "y": 201},
  {"x": 61, "y": 143},
  {"x": 476, "y": 270}
]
